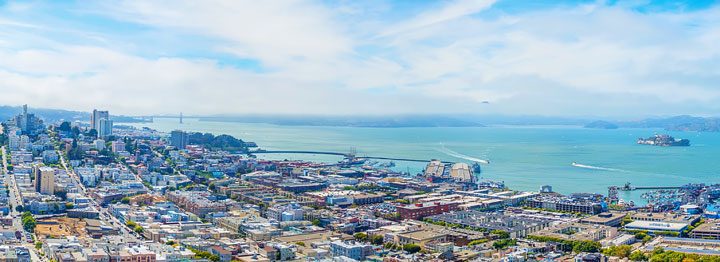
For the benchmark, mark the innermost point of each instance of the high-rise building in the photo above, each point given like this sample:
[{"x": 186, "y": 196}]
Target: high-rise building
[
  {"x": 100, "y": 121},
  {"x": 179, "y": 139},
  {"x": 104, "y": 128},
  {"x": 28, "y": 123},
  {"x": 44, "y": 180}
]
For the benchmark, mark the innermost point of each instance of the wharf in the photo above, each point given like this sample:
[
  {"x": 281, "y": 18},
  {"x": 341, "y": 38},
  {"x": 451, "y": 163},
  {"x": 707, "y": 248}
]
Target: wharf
[{"x": 345, "y": 155}]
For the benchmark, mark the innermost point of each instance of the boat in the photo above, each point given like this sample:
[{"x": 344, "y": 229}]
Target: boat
[
  {"x": 663, "y": 140},
  {"x": 476, "y": 168}
]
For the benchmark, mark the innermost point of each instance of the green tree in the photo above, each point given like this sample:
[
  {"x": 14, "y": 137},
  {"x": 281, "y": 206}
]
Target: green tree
[
  {"x": 638, "y": 256},
  {"x": 501, "y": 234},
  {"x": 125, "y": 200},
  {"x": 504, "y": 243},
  {"x": 621, "y": 251},
  {"x": 411, "y": 248},
  {"x": 586, "y": 246},
  {"x": 377, "y": 239},
  {"x": 28, "y": 221},
  {"x": 362, "y": 237}
]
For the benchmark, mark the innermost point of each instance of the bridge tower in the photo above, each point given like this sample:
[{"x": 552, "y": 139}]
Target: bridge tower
[{"x": 181, "y": 118}]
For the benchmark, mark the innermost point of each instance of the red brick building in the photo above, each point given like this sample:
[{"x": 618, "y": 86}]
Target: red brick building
[{"x": 421, "y": 210}]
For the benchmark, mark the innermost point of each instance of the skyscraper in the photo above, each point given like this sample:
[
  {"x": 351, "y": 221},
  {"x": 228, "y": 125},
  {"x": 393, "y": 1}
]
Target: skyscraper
[
  {"x": 104, "y": 128},
  {"x": 28, "y": 123},
  {"x": 179, "y": 139},
  {"x": 100, "y": 121}
]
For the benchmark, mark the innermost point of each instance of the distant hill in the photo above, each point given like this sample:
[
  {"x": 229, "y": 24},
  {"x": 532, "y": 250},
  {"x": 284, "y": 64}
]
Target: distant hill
[
  {"x": 675, "y": 123},
  {"x": 601, "y": 125},
  {"x": 351, "y": 121},
  {"x": 48, "y": 115},
  {"x": 679, "y": 123},
  {"x": 57, "y": 115}
]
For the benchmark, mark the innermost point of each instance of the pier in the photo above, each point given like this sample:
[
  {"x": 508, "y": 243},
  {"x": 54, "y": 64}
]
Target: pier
[
  {"x": 627, "y": 187},
  {"x": 345, "y": 155}
]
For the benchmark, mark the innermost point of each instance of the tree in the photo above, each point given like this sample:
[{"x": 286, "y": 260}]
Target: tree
[
  {"x": 478, "y": 242},
  {"x": 139, "y": 229},
  {"x": 411, "y": 248},
  {"x": 69, "y": 205},
  {"x": 638, "y": 256},
  {"x": 28, "y": 221},
  {"x": 504, "y": 243},
  {"x": 125, "y": 200},
  {"x": 92, "y": 133},
  {"x": 501, "y": 234},
  {"x": 316, "y": 222},
  {"x": 19, "y": 208},
  {"x": 586, "y": 246},
  {"x": 362, "y": 237},
  {"x": 65, "y": 126},
  {"x": 621, "y": 251},
  {"x": 377, "y": 239}
]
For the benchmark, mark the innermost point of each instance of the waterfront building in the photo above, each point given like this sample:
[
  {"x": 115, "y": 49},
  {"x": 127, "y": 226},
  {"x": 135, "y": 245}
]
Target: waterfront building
[
  {"x": 461, "y": 172},
  {"x": 581, "y": 203},
  {"x": 435, "y": 168},
  {"x": 708, "y": 230},
  {"x": 656, "y": 226},
  {"x": 607, "y": 219}
]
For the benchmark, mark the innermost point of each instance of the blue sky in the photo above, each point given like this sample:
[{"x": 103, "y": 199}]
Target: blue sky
[{"x": 620, "y": 59}]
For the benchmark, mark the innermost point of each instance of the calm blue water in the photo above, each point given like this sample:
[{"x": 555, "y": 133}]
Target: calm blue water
[{"x": 524, "y": 157}]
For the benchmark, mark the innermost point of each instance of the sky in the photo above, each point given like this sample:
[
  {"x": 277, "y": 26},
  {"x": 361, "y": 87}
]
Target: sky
[{"x": 370, "y": 57}]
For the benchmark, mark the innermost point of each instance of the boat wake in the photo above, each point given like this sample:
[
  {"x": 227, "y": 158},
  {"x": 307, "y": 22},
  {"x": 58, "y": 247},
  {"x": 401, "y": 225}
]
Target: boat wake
[
  {"x": 597, "y": 168},
  {"x": 462, "y": 156}
]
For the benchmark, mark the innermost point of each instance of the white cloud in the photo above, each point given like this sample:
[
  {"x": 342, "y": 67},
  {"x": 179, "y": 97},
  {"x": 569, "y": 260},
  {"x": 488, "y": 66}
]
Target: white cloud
[{"x": 583, "y": 60}]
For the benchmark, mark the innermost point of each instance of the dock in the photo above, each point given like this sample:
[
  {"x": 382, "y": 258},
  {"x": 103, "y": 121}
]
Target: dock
[
  {"x": 345, "y": 155},
  {"x": 627, "y": 187}
]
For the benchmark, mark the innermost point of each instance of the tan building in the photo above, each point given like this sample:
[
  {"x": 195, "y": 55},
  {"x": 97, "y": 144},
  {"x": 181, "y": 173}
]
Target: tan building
[
  {"x": 708, "y": 230},
  {"x": 435, "y": 168},
  {"x": 461, "y": 172},
  {"x": 579, "y": 232},
  {"x": 45, "y": 180}
]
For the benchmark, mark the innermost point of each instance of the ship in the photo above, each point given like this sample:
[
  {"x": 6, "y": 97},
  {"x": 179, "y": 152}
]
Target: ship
[
  {"x": 663, "y": 140},
  {"x": 476, "y": 168}
]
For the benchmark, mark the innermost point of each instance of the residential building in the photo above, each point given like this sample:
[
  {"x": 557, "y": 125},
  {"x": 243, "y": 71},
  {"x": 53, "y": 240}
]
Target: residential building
[
  {"x": 352, "y": 250},
  {"x": 179, "y": 139}
]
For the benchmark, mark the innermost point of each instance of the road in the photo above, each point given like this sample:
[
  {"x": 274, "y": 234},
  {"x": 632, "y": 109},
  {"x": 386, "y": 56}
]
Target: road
[
  {"x": 15, "y": 199},
  {"x": 128, "y": 234}
]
